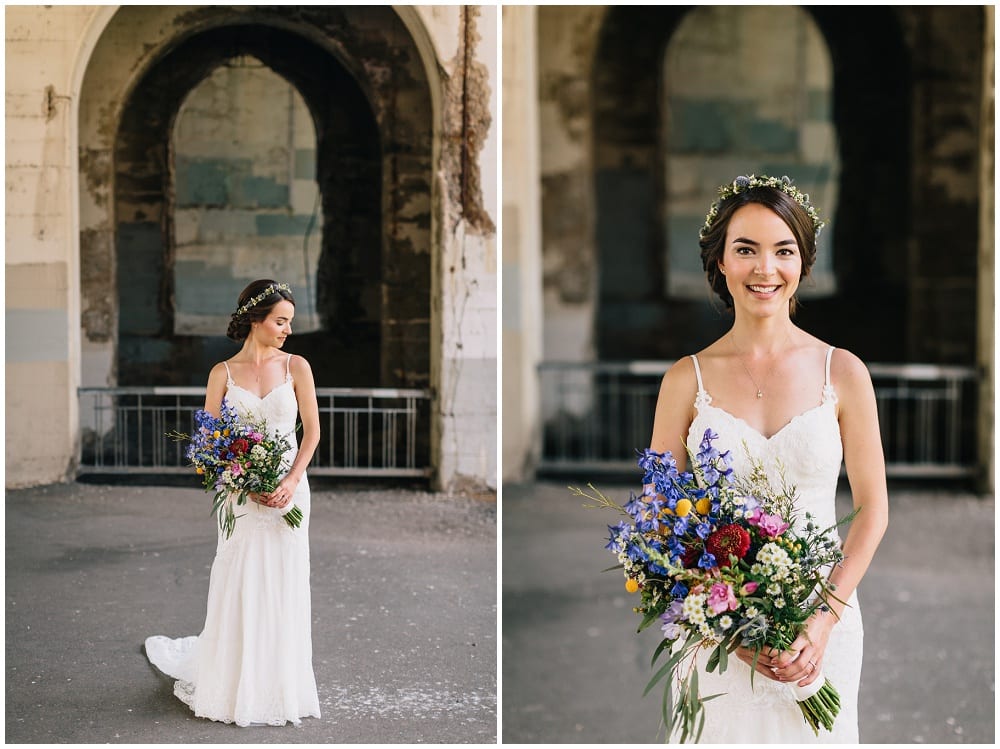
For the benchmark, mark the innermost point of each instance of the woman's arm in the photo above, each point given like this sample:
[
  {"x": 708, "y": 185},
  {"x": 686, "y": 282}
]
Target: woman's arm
[
  {"x": 865, "y": 465},
  {"x": 305, "y": 394},
  {"x": 216, "y": 389},
  {"x": 675, "y": 411}
]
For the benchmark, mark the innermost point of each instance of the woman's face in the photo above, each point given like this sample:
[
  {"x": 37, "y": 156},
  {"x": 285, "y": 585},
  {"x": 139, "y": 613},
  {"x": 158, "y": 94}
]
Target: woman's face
[
  {"x": 761, "y": 261},
  {"x": 276, "y": 327}
]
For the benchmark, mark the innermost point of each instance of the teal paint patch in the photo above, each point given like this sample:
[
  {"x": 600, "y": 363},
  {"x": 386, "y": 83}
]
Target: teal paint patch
[
  {"x": 703, "y": 125},
  {"x": 227, "y": 223},
  {"x": 140, "y": 267},
  {"x": 770, "y": 136},
  {"x": 261, "y": 192},
  {"x": 818, "y": 107},
  {"x": 807, "y": 177},
  {"x": 281, "y": 225},
  {"x": 206, "y": 182},
  {"x": 36, "y": 335},
  {"x": 199, "y": 290},
  {"x": 305, "y": 163}
]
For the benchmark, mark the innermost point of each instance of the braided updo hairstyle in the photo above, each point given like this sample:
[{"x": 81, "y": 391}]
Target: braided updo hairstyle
[
  {"x": 713, "y": 241},
  {"x": 239, "y": 323}
]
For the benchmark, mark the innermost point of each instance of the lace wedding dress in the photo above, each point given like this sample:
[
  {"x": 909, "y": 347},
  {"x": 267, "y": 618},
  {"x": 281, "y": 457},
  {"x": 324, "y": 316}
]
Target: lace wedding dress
[
  {"x": 809, "y": 448},
  {"x": 252, "y": 662}
]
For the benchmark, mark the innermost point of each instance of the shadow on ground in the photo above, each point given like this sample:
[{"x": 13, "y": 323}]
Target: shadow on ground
[{"x": 403, "y": 600}]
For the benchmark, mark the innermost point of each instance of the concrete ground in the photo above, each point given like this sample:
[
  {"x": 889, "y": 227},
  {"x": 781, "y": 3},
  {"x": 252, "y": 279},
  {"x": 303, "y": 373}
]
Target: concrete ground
[
  {"x": 574, "y": 669},
  {"x": 404, "y": 616}
]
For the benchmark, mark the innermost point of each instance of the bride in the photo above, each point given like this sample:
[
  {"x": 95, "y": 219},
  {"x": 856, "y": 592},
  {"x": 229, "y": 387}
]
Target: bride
[
  {"x": 252, "y": 662},
  {"x": 790, "y": 398}
]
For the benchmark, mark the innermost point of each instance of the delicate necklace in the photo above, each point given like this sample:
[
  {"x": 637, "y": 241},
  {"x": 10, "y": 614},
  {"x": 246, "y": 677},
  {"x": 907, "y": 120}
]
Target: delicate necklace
[{"x": 739, "y": 355}]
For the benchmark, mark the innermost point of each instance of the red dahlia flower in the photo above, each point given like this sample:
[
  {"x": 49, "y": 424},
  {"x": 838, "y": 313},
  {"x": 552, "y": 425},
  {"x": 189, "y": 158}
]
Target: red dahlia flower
[
  {"x": 728, "y": 540},
  {"x": 239, "y": 446}
]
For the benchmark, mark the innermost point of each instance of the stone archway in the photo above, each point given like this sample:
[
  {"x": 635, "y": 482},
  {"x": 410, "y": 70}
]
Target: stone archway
[
  {"x": 634, "y": 316},
  {"x": 363, "y": 79}
]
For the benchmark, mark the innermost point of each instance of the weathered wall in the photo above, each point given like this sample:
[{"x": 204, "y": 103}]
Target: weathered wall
[
  {"x": 41, "y": 348},
  {"x": 748, "y": 90},
  {"x": 435, "y": 239},
  {"x": 908, "y": 251},
  {"x": 522, "y": 244},
  {"x": 464, "y": 356},
  {"x": 246, "y": 202}
]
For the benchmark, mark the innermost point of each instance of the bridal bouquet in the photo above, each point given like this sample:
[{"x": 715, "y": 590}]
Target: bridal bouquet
[
  {"x": 236, "y": 457},
  {"x": 717, "y": 562}
]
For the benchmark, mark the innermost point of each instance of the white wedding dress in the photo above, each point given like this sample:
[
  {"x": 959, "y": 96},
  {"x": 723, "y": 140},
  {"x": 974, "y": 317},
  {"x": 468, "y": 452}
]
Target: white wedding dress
[
  {"x": 809, "y": 447},
  {"x": 252, "y": 662}
]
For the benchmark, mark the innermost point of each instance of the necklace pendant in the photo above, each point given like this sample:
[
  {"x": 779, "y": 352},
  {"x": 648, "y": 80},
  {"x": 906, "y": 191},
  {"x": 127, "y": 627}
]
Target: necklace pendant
[{"x": 760, "y": 394}]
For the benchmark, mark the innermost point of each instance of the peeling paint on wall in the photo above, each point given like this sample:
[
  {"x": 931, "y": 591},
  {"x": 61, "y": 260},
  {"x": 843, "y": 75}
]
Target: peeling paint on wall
[{"x": 467, "y": 122}]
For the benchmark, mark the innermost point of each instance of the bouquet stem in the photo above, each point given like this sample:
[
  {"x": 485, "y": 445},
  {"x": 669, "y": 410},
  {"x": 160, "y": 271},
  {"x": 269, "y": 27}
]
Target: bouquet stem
[
  {"x": 294, "y": 517},
  {"x": 822, "y": 707}
]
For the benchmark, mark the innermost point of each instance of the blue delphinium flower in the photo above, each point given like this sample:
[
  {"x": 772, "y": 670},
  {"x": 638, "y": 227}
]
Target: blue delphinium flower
[
  {"x": 703, "y": 530},
  {"x": 707, "y": 561},
  {"x": 635, "y": 505},
  {"x": 710, "y": 473},
  {"x": 657, "y": 569},
  {"x": 680, "y": 526},
  {"x": 680, "y": 590}
]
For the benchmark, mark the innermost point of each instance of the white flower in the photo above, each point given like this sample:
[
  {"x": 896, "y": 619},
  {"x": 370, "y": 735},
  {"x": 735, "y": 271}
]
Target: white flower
[
  {"x": 725, "y": 622},
  {"x": 694, "y": 608},
  {"x": 751, "y": 612},
  {"x": 774, "y": 589},
  {"x": 779, "y": 603}
]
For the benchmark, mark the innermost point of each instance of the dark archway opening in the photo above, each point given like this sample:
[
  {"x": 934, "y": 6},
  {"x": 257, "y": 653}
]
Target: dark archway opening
[
  {"x": 636, "y": 319},
  {"x": 348, "y": 350}
]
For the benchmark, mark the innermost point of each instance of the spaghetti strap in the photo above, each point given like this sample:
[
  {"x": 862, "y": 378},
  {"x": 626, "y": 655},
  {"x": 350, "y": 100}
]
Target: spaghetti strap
[
  {"x": 697, "y": 373},
  {"x": 288, "y": 370},
  {"x": 229, "y": 375},
  {"x": 829, "y": 356}
]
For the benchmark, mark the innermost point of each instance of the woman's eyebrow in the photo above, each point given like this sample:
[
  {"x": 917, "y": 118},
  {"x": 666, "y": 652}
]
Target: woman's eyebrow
[{"x": 744, "y": 240}]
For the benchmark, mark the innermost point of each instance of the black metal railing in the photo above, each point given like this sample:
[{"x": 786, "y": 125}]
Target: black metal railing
[
  {"x": 595, "y": 414},
  {"x": 363, "y": 431}
]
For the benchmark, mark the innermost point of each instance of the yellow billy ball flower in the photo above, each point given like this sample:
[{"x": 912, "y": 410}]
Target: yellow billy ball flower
[
  {"x": 216, "y": 434},
  {"x": 631, "y": 585},
  {"x": 703, "y": 506},
  {"x": 683, "y": 507},
  {"x": 225, "y": 432}
]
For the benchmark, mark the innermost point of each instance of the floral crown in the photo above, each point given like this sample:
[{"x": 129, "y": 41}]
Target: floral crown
[
  {"x": 262, "y": 296},
  {"x": 741, "y": 184}
]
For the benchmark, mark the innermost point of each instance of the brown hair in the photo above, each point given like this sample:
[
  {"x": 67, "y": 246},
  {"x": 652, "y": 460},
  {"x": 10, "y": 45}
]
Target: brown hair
[
  {"x": 239, "y": 324},
  {"x": 713, "y": 242}
]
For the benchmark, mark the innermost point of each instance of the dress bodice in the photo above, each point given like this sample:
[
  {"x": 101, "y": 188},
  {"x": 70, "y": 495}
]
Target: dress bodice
[
  {"x": 277, "y": 409},
  {"x": 807, "y": 449}
]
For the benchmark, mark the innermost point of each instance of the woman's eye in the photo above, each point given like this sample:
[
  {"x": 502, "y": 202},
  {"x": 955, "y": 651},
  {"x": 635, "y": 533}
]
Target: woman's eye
[{"x": 744, "y": 250}]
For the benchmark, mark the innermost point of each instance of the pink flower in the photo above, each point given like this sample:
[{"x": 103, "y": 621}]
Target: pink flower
[
  {"x": 235, "y": 468},
  {"x": 771, "y": 526},
  {"x": 749, "y": 588},
  {"x": 721, "y": 598},
  {"x": 256, "y": 436}
]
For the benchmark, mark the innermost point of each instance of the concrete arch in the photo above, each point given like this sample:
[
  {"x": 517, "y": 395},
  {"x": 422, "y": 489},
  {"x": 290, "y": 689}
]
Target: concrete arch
[
  {"x": 629, "y": 185},
  {"x": 388, "y": 76}
]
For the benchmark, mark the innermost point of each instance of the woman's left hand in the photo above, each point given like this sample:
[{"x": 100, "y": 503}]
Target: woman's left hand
[
  {"x": 803, "y": 661},
  {"x": 282, "y": 495}
]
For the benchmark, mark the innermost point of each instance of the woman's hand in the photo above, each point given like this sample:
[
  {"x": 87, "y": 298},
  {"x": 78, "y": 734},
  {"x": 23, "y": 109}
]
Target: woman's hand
[
  {"x": 803, "y": 661},
  {"x": 766, "y": 660},
  {"x": 282, "y": 495}
]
